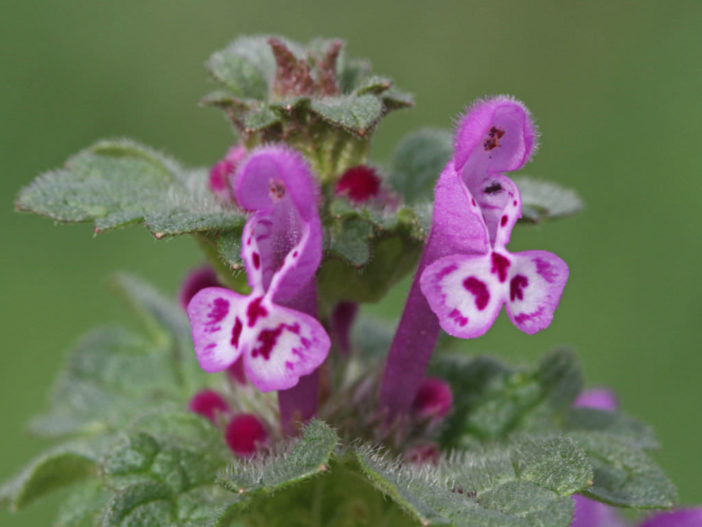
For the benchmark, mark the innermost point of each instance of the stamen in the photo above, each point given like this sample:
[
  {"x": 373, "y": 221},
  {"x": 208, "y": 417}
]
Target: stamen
[
  {"x": 494, "y": 135},
  {"x": 277, "y": 189}
]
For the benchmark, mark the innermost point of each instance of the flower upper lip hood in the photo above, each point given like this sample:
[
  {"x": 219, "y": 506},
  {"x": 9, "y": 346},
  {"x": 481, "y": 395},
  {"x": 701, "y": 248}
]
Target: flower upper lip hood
[
  {"x": 278, "y": 185},
  {"x": 508, "y": 153},
  {"x": 281, "y": 248}
]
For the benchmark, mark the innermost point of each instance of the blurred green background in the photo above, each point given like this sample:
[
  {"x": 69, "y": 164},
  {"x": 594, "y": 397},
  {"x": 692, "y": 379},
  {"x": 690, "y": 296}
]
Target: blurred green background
[{"x": 615, "y": 88}]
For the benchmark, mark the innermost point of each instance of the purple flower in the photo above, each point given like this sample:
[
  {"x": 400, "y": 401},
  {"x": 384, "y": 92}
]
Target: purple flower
[
  {"x": 223, "y": 171},
  {"x": 281, "y": 248},
  {"x": 679, "y": 518},
  {"x": 465, "y": 274},
  {"x": 589, "y": 513},
  {"x": 598, "y": 398},
  {"x": 467, "y": 289}
]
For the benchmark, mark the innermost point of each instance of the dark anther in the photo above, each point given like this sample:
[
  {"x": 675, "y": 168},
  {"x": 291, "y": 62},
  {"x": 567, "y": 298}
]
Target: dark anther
[{"x": 493, "y": 189}]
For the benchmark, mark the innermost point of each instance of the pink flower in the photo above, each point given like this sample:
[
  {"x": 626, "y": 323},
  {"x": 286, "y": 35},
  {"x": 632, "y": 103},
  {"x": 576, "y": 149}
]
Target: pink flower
[
  {"x": 245, "y": 435},
  {"x": 223, "y": 171},
  {"x": 279, "y": 345},
  {"x": 466, "y": 274},
  {"x": 589, "y": 513},
  {"x": 467, "y": 289},
  {"x": 679, "y": 518},
  {"x": 598, "y": 398}
]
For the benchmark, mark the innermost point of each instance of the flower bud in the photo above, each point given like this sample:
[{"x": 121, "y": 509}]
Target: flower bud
[
  {"x": 424, "y": 453},
  {"x": 209, "y": 404},
  {"x": 195, "y": 280},
  {"x": 434, "y": 398},
  {"x": 359, "y": 184},
  {"x": 222, "y": 172},
  {"x": 245, "y": 434}
]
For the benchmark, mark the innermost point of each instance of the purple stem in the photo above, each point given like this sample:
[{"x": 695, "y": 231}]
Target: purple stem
[
  {"x": 300, "y": 403},
  {"x": 342, "y": 320}
]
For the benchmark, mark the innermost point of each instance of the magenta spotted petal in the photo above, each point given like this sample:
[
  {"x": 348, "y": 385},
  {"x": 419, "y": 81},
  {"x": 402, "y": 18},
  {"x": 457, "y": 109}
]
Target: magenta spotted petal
[
  {"x": 284, "y": 346},
  {"x": 278, "y": 345},
  {"x": 536, "y": 282},
  {"x": 466, "y": 292}
]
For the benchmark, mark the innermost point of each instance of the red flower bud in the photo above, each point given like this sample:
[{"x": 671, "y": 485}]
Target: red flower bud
[{"x": 245, "y": 434}]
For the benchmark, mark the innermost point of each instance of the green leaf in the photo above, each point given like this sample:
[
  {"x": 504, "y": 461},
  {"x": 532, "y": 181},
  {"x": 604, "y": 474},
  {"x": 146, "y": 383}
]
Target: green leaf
[
  {"x": 351, "y": 72},
  {"x": 556, "y": 464},
  {"x": 493, "y": 401},
  {"x": 630, "y": 430},
  {"x": 246, "y": 67},
  {"x": 623, "y": 474},
  {"x": 415, "y": 493},
  {"x": 357, "y": 114},
  {"x": 362, "y": 263},
  {"x": 543, "y": 200},
  {"x": 57, "y": 468},
  {"x": 84, "y": 505},
  {"x": 497, "y": 403},
  {"x": 350, "y": 239},
  {"x": 110, "y": 369},
  {"x": 180, "y": 450},
  {"x": 307, "y": 457},
  {"x": 145, "y": 504},
  {"x": 159, "y": 315},
  {"x": 163, "y": 470},
  {"x": 117, "y": 182},
  {"x": 374, "y": 85},
  {"x": 514, "y": 486},
  {"x": 206, "y": 506},
  {"x": 260, "y": 117},
  {"x": 418, "y": 161}
]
